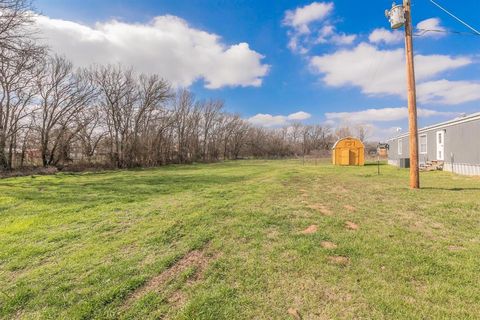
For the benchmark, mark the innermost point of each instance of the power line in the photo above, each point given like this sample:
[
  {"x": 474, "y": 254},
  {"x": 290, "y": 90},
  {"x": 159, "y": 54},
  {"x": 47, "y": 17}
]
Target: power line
[
  {"x": 456, "y": 18},
  {"x": 463, "y": 33}
]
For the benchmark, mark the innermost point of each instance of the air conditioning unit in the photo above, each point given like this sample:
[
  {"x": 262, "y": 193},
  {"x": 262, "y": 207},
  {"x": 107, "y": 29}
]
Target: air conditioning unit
[{"x": 405, "y": 163}]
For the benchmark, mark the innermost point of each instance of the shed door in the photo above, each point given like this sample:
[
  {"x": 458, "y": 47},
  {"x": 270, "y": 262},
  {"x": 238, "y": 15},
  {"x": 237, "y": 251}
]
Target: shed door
[
  {"x": 353, "y": 158},
  {"x": 345, "y": 157},
  {"x": 441, "y": 145}
]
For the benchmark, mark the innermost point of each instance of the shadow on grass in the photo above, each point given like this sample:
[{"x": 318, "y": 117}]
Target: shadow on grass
[
  {"x": 119, "y": 187},
  {"x": 451, "y": 189},
  {"x": 370, "y": 164}
]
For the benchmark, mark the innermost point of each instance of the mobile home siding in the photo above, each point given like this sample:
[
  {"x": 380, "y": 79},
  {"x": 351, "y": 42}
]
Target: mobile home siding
[{"x": 461, "y": 141}]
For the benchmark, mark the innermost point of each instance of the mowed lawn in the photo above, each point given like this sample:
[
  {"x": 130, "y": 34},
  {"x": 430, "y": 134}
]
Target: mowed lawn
[{"x": 240, "y": 240}]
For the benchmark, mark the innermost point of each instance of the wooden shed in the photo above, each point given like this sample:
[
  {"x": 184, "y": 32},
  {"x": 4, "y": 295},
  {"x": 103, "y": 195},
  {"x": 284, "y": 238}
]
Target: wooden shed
[{"x": 348, "y": 152}]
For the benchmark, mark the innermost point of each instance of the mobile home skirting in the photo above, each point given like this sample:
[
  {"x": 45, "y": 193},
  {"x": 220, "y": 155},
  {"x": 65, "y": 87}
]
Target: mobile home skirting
[{"x": 463, "y": 168}]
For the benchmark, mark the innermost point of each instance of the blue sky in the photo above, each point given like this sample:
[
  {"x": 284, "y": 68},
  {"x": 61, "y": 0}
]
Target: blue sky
[{"x": 320, "y": 62}]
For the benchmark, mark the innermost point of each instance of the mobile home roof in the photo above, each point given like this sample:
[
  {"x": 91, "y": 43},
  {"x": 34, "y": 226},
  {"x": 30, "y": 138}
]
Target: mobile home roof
[{"x": 472, "y": 117}]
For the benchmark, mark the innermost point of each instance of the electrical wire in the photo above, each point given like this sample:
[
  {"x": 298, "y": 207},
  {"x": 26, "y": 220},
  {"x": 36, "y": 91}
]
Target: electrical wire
[
  {"x": 462, "y": 33},
  {"x": 456, "y": 18}
]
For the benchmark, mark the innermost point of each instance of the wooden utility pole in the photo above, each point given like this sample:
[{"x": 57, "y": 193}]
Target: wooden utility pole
[{"x": 412, "y": 98}]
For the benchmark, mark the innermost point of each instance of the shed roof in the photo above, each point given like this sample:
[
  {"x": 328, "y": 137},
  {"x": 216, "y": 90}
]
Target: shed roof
[
  {"x": 459, "y": 120},
  {"x": 346, "y": 138}
]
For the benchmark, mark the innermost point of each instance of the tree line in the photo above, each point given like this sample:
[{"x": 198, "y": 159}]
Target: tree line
[{"x": 53, "y": 114}]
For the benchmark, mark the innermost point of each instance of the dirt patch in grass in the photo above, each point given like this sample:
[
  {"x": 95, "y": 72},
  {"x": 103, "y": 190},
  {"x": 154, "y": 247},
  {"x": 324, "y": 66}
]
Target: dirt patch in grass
[
  {"x": 178, "y": 298},
  {"x": 295, "y": 314},
  {"x": 437, "y": 225},
  {"x": 197, "y": 259},
  {"x": 339, "y": 260},
  {"x": 321, "y": 208},
  {"x": 328, "y": 245},
  {"x": 310, "y": 230},
  {"x": 335, "y": 295},
  {"x": 350, "y": 208},
  {"x": 351, "y": 226},
  {"x": 340, "y": 189}
]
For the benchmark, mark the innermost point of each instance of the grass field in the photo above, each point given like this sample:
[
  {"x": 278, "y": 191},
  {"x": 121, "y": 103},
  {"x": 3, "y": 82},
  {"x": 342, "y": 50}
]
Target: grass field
[{"x": 240, "y": 240}]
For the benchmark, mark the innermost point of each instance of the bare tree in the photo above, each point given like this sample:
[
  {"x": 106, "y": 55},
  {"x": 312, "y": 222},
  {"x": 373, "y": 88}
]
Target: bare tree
[
  {"x": 185, "y": 114},
  {"x": 119, "y": 95},
  {"x": 343, "y": 132},
  {"x": 18, "y": 56},
  {"x": 64, "y": 95},
  {"x": 238, "y": 137},
  {"x": 211, "y": 111},
  {"x": 362, "y": 132},
  {"x": 307, "y": 141},
  {"x": 295, "y": 130},
  {"x": 149, "y": 114},
  {"x": 322, "y": 138},
  {"x": 17, "y": 75},
  {"x": 91, "y": 131},
  {"x": 15, "y": 24},
  {"x": 110, "y": 110}
]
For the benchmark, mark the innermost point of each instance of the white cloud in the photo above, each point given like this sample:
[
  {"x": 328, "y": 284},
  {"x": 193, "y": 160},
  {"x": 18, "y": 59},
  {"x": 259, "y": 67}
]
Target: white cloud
[
  {"x": 167, "y": 45},
  {"x": 268, "y": 120},
  {"x": 343, "y": 39},
  {"x": 370, "y": 117},
  {"x": 298, "y": 116},
  {"x": 328, "y": 35},
  {"x": 382, "y": 35},
  {"x": 296, "y": 44},
  {"x": 301, "y": 20},
  {"x": 379, "y": 72},
  {"x": 386, "y": 36},
  {"x": 432, "y": 24},
  {"x": 448, "y": 92},
  {"x": 325, "y": 32},
  {"x": 381, "y": 134},
  {"x": 381, "y": 115},
  {"x": 301, "y": 17}
]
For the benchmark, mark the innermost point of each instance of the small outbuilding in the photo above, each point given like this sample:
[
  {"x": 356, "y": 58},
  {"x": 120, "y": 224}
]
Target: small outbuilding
[{"x": 348, "y": 152}]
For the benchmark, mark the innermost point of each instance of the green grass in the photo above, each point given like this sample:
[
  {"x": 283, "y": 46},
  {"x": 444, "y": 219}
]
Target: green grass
[{"x": 81, "y": 246}]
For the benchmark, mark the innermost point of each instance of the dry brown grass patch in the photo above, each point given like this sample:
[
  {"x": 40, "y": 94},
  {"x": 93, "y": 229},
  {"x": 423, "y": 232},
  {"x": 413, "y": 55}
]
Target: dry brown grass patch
[
  {"x": 321, "y": 208},
  {"x": 310, "y": 230},
  {"x": 295, "y": 314},
  {"x": 351, "y": 226},
  {"x": 339, "y": 260},
  {"x": 328, "y": 245},
  {"x": 340, "y": 189}
]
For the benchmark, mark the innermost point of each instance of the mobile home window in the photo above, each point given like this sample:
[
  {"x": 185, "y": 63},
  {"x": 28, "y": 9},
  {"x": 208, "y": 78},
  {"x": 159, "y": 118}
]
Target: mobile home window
[
  {"x": 423, "y": 144},
  {"x": 400, "y": 146}
]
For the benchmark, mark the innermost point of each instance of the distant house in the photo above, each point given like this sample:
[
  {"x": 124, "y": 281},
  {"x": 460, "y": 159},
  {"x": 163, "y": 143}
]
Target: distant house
[
  {"x": 454, "y": 143},
  {"x": 382, "y": 150}
]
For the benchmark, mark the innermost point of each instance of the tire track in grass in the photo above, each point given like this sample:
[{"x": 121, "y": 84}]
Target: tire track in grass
[{"x": 197, "y": 259}]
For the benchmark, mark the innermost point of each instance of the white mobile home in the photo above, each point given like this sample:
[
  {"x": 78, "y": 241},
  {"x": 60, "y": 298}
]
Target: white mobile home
[{"x": 454, "y": 143}]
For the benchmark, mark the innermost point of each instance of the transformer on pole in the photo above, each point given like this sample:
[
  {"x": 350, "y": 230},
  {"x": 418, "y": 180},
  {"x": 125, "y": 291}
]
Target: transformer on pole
[{"x": 396, "y": 16}]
